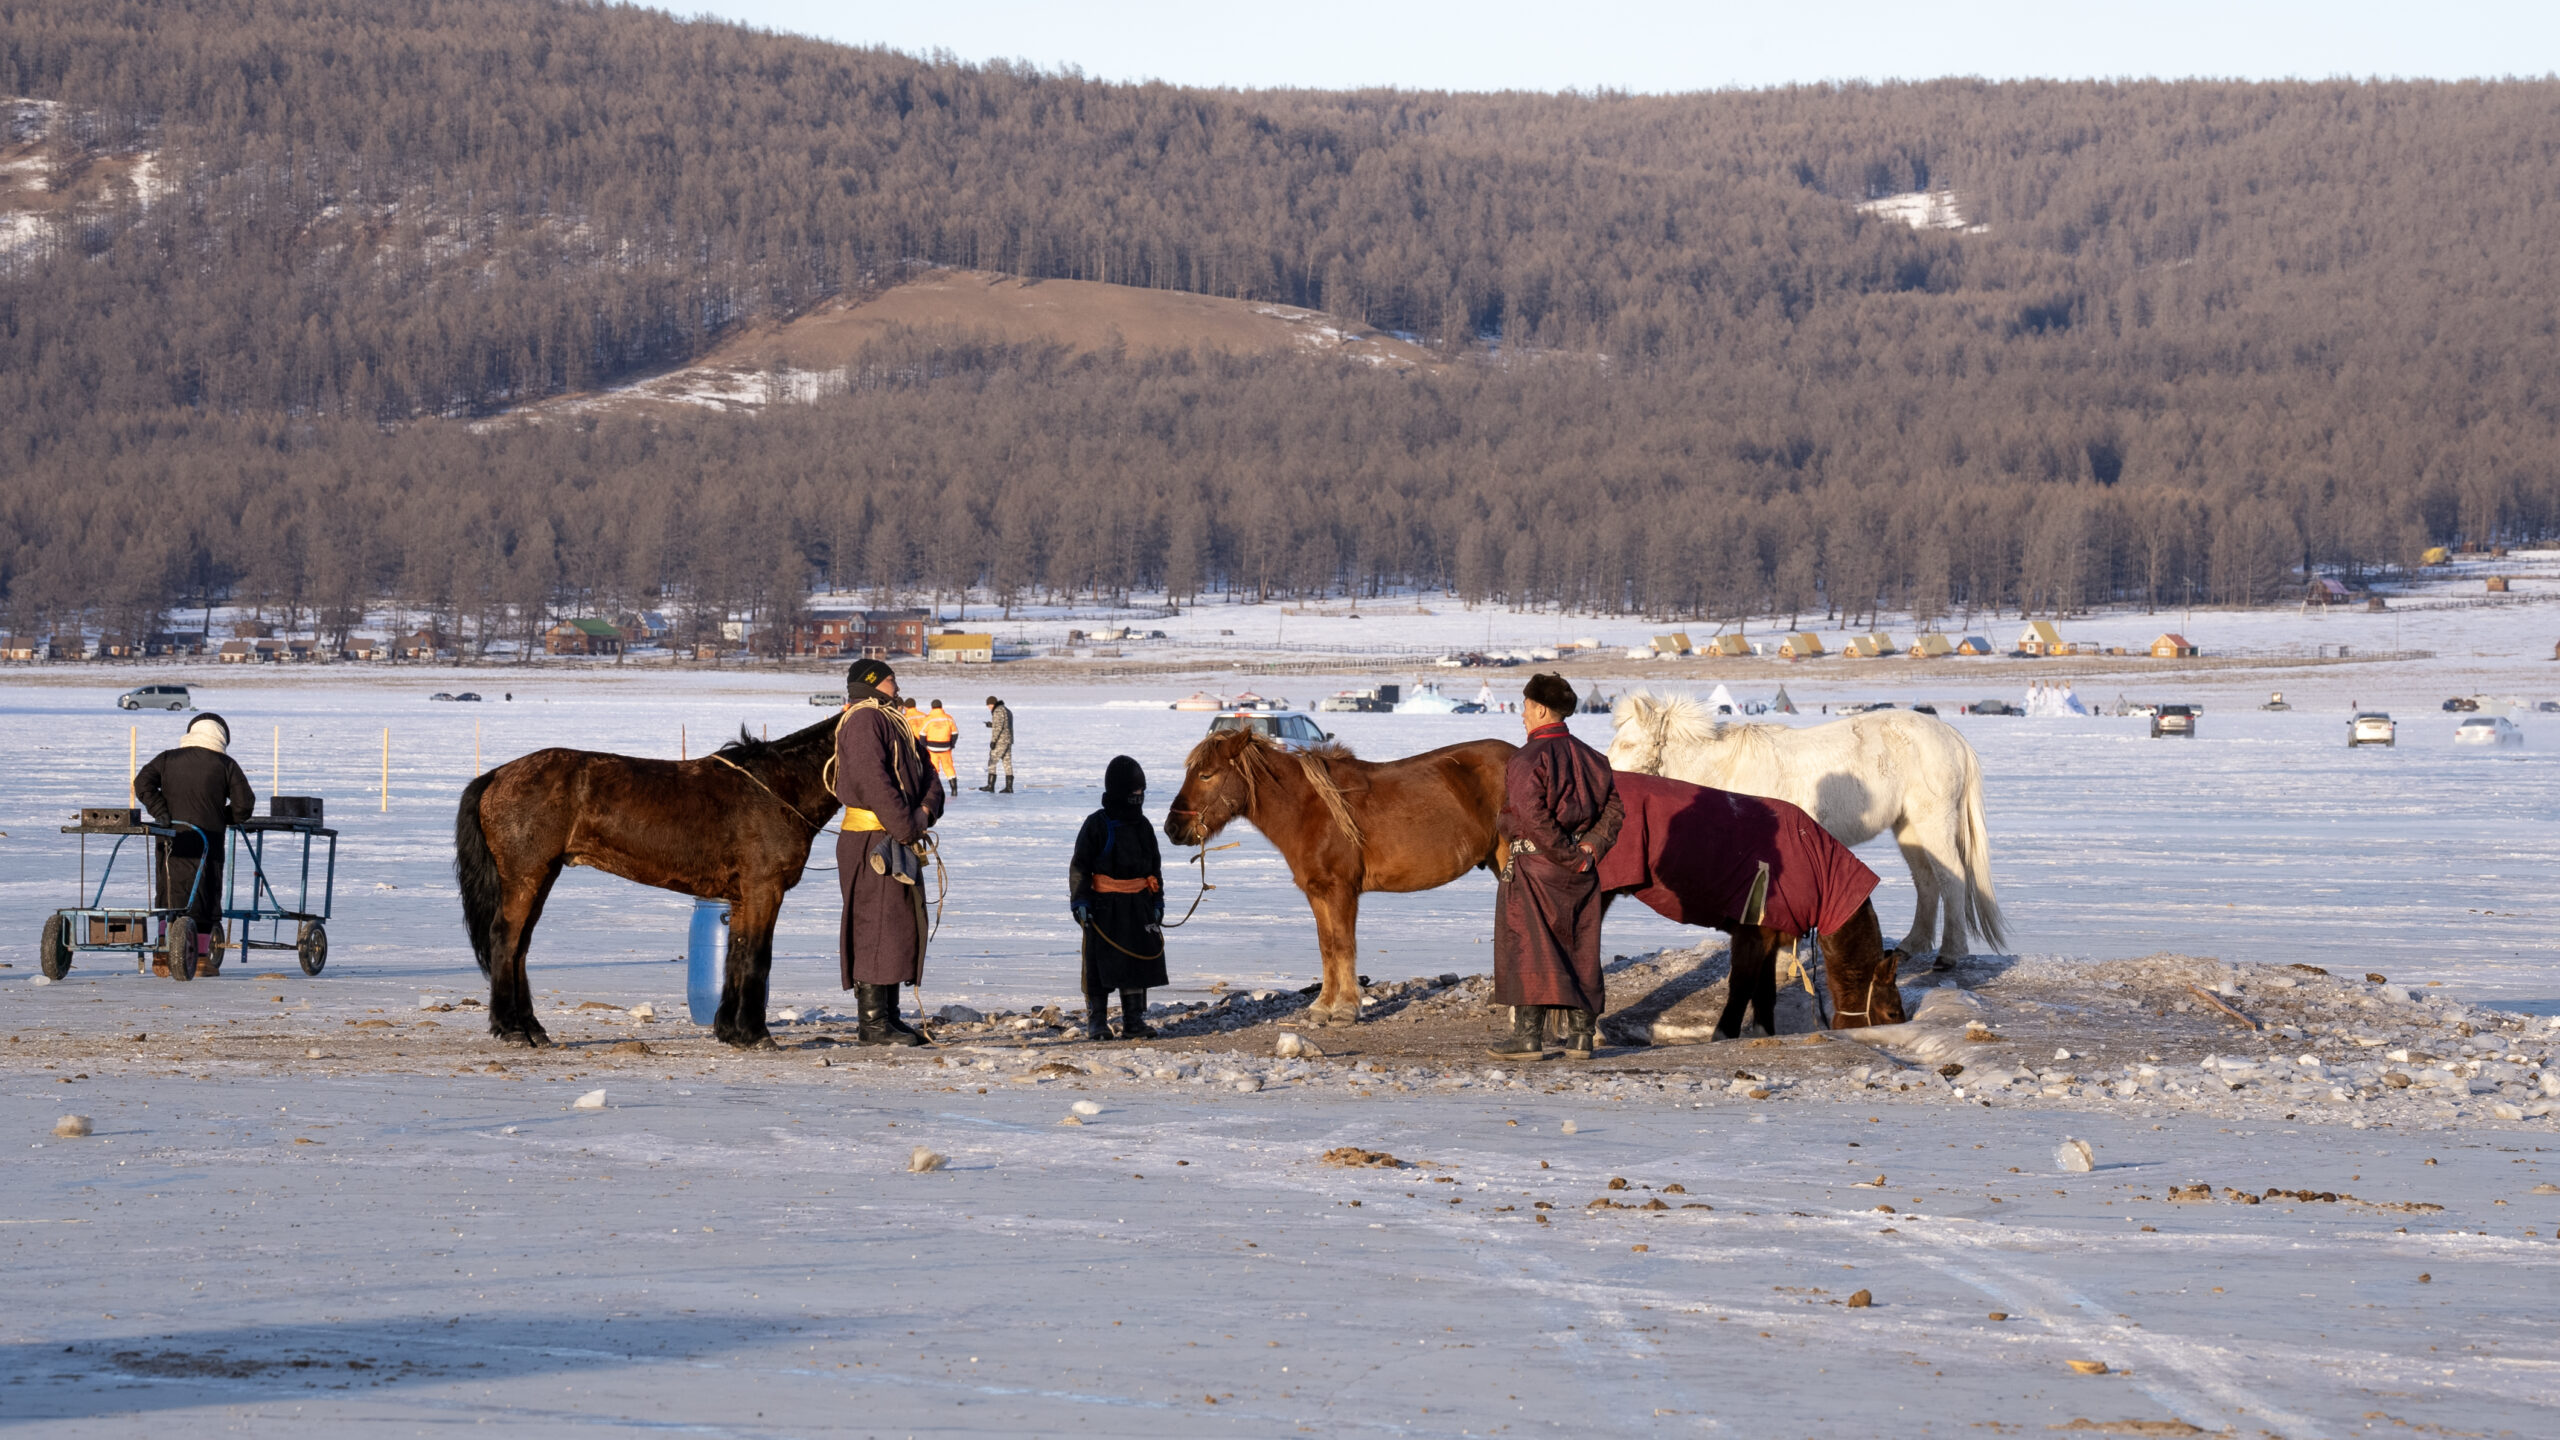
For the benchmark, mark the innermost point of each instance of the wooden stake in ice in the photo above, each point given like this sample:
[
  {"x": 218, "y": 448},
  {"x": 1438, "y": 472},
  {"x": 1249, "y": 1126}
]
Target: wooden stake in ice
[{"x": 2216, "y": 1002}]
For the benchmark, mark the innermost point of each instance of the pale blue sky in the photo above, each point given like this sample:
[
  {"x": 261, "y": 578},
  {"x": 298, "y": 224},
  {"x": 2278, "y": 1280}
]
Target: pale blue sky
[{"x": 1503, "y": 44}]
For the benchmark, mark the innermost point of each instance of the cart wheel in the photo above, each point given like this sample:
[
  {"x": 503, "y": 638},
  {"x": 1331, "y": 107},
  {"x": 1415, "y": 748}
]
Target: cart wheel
[
  {"x": 311, "y": 946},
  {"x": 53, "y": 953},
  {"x": 180, "y": 941}
]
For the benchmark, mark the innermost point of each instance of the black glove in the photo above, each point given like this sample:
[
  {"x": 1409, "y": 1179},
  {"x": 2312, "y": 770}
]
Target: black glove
[{"x": 1082, "y": 912}]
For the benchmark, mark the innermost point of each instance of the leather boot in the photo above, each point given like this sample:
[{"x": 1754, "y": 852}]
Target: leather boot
[
  {"x": 1008, "y": 784},
  {"x": 880, "y": 1024},
  {"x": 1580, "y": 1041},
  {"x": 990, "y": 786},
  {"x": 866, "y": 1004},
  {"x": 1133, "y": 1016},
  {"x": 1097, "y": 1016},
  {"x": 1528, "y": 1039}
]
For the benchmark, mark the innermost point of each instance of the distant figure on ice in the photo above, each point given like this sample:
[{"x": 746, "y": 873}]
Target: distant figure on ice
[
  {"x": 1560, "y": 814},
  {"x": 940, "y": 734},
  {"x": 1115, "y": 890},
  {"x": 999, "y": 744},
  {"x": 198, "y": 784},
  {"x": 892, "y": 799}
]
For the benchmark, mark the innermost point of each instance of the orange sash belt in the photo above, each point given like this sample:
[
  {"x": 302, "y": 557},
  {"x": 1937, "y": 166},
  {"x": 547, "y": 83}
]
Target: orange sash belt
[{"x": 1108, "y": 885}]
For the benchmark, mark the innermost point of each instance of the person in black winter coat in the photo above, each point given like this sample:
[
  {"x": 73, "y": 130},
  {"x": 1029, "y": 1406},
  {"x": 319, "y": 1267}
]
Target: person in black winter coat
[
  {"x": 1115, "y": 890},
  {"x": 198, "y": 784}
]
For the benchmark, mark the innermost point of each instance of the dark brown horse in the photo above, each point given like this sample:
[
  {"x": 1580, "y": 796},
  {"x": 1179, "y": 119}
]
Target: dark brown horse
[
  {"x": 1346, "y": 827},
  {"x": 734, "y": 825}
]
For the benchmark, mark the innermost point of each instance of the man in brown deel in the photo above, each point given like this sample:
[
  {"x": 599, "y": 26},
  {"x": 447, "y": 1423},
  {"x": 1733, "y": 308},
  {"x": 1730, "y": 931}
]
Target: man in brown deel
[
  {"x": 1560, "y": 814},
  {"x": 892, "y": 799}
]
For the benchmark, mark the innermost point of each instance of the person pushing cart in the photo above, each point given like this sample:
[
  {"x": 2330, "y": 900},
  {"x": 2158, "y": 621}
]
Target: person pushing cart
[{"x": 196, "y": 784}]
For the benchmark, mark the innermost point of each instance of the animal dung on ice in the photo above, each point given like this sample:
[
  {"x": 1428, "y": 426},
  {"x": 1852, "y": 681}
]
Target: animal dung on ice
[
  {"x": 922, "y": 1160},
  {"x": 1860, "y": 1300},
  {"x": 71, "y": 1127},
  {"x": 2090, "y": 1367},
  {"x": 592, "y": 1100},
  {"x": 2075, "y": 1157}
]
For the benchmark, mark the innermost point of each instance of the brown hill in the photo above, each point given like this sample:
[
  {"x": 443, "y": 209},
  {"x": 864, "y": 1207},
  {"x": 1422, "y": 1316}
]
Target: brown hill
[{"x": 1079, "y": 316}]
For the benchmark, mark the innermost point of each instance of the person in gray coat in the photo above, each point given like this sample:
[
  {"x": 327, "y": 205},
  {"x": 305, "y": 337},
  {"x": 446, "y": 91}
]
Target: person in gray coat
[{"x": 999, "y": 744}]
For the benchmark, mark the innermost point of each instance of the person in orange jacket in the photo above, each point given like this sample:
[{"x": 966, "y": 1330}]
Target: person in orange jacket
[{"x": 940, "y": 733}]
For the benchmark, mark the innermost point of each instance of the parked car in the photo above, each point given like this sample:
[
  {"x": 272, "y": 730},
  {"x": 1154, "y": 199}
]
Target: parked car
[
  {"x": 468, "y": 695},
  {"x": 2174, "y": 720},
  {"x": 2487, "y": 730},
  {"x": 1289, "y": 728},
  {"x": 1992, "y": 707},
  {"x": 2460, "y": 704},
  {"x": 156, "y": 697},
  {"x": 440, "y": 695},
  {"x": 2372, "y": 728}
]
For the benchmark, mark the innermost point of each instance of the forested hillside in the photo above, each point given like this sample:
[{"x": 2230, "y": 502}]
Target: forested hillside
[{"x": 276, "y": 280}]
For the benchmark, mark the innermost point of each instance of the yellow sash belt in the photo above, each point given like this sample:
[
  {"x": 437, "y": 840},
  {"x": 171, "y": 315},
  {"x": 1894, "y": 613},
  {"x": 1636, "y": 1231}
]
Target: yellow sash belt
[{"x": 859, "y": 819}]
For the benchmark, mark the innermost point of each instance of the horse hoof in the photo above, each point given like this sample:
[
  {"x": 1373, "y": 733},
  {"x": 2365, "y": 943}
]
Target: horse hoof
[{"x": 754, "y": 1042}]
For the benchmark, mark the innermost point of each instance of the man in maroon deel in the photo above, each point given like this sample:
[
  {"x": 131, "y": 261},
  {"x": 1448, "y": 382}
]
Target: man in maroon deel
[{"x": 1560, "y": 814}]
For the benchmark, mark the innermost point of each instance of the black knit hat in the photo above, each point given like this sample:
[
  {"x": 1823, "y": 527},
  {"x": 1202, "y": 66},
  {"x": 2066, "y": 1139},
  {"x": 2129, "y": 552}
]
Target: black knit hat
[
  {"x": 1124, "y": 782},
  {"x": 1549, "y": 689},
  {"x": 862, "y": 678}
]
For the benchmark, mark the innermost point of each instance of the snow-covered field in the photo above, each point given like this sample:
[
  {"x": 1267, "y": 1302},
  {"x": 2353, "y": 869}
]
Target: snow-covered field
[{"x": 760, "y": 1248}]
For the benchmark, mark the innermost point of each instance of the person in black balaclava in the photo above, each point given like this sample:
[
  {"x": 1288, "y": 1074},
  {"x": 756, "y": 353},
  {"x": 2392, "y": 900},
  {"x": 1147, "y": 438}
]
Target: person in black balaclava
[
  {"x": 1115, "y": 890},
  {"x": 197, "y": 784}
]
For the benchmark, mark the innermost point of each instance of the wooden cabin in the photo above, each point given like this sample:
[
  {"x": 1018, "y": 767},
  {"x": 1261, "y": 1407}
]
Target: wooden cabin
[
  {"x": 2325, "y": 591},
  {"x": 583, "y": 637},
  {"x": 953, "y": 648},
  {"x": 1932, "y": 646},
  {"x": 2040, "y": 638},
  {"x": 2172, "y": 647},
  {"x": 1729, "y": 647},
  {"x": 1675, "y": 643}
]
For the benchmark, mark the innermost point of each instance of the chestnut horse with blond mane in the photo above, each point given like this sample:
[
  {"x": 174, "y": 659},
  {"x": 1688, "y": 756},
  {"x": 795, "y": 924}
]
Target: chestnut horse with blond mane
[{"x": 1346, "y": 826}]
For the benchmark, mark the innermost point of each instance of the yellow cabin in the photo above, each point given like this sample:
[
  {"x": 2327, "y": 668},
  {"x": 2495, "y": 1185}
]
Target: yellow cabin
[
  {"x": 2171, "y": 647},
  {"x": 1932, "y": 646},
  {"x": 1731, "y": 647},
  {"x": 1802, "y": 645},
  {"x": 2040, "y": 638}
]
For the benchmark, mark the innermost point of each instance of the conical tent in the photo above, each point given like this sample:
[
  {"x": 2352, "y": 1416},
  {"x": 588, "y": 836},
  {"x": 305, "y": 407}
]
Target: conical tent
[
  {"x": 1782, "y": 705},
  {"x": 1721, "y": 702}
]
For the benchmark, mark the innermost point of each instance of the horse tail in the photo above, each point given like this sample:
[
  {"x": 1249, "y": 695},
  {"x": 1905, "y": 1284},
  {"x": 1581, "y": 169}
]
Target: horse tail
[
  {"x": 475, "y": 871},
  {"x": 1973, "y": 847}
]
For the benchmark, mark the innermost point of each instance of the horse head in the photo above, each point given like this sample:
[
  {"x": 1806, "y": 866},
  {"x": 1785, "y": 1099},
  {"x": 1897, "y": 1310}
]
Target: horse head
[
  {"x": 1639, "y": 720},
  {"x": 1218, "y": 784}
]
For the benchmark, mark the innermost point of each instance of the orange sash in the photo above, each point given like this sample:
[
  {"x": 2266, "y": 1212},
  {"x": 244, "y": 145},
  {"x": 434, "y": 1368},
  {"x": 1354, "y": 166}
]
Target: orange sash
[{"x": 1108, "y": 885}]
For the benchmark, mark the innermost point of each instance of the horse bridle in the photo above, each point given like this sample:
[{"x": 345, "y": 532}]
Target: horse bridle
[{"x": 815, "y": 826}]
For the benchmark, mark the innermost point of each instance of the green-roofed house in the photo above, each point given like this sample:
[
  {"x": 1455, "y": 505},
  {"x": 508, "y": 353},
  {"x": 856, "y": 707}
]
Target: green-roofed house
[{"x": 583, "y": 637}]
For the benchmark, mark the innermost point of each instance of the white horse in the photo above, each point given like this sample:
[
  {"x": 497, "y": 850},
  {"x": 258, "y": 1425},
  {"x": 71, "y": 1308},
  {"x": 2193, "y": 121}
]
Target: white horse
[{"x": 1884, "y": 770}]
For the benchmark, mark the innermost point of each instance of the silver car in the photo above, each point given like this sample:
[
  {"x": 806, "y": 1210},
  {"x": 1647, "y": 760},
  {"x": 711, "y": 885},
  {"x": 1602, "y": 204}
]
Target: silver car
[
  {"x": 156, "y": 697},
  {"x": 2372, "y": 728}
]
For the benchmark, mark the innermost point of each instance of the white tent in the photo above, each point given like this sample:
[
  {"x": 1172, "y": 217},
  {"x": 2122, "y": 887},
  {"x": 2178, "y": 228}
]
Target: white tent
[{"x": 1721, "y": 702}]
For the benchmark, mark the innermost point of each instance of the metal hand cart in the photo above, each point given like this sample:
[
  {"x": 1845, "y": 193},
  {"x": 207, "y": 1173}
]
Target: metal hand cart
[
  {"x": 289, "y": 817},
  {"x": 138, "y": 930}
]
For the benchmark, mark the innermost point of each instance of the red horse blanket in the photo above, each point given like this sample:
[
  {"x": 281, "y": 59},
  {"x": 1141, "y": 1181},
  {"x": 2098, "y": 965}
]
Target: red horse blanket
[{"x": 1698, "y": 856}]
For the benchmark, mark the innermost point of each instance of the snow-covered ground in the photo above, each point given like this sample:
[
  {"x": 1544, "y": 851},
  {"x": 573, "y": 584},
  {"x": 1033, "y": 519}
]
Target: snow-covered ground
[{"x": 450, "y": 1246}]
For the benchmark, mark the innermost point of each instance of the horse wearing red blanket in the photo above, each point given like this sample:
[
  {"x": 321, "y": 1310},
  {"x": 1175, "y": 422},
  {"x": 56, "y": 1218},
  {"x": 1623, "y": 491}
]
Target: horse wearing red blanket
[{"x": 1761, "y": 871}]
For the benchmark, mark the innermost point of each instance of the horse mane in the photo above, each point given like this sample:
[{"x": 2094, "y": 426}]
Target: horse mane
[
  {"x": 747, "y": 749},
  {"x": 1250, "y": 752}
]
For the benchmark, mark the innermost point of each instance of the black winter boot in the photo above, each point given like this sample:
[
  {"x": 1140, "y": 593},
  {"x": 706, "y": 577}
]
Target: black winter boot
[
  {"x": 880, "y": 1024},
  {"x": 1008, "y": 784},
  {"x": 990, "y": 786},
  {"x": 1528, "y": 1039},
  {"x": 1133, "y": 1016},
  {"x": 1580, "y": 1043},
  {"x": 1097, "y": 1016}
]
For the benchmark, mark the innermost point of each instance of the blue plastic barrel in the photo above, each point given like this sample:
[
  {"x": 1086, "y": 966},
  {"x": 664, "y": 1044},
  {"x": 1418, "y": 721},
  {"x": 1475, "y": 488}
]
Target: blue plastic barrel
[{"x": 706, "y": 959}]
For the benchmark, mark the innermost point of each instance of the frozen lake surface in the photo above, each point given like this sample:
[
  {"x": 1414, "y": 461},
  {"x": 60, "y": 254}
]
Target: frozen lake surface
[{"x": 733, "y": 1245}]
